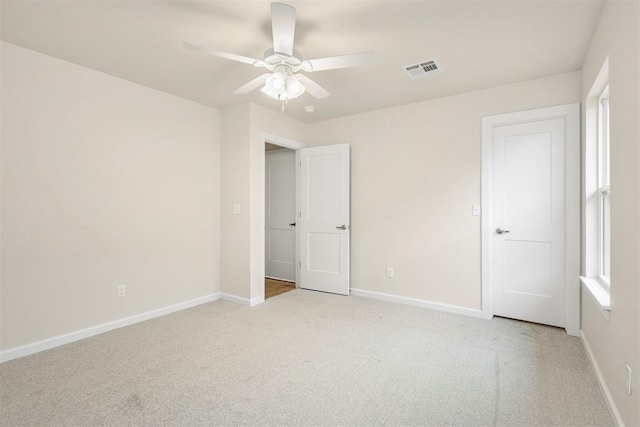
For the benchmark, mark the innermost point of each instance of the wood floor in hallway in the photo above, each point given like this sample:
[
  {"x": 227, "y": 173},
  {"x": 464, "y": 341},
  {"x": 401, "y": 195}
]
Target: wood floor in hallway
[{"x": 273, "y": 287}]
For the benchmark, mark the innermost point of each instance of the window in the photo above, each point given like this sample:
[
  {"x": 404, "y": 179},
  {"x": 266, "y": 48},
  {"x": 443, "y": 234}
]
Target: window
[
  {"x": 604, "y": 190},
  {"x": 596, "y": 270}
]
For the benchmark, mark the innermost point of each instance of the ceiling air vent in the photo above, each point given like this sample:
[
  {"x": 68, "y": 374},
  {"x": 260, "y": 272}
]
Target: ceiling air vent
[{"x": 422, "y": 69}]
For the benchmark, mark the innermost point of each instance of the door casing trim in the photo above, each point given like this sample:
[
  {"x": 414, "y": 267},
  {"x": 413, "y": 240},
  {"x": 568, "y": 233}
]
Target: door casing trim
[{"x": 571, "y": 114}]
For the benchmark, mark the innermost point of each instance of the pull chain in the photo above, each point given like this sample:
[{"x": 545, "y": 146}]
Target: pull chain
[{"x": 284, "y": 102}]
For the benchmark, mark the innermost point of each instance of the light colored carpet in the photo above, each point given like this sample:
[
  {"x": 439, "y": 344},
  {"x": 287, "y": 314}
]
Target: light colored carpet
[{"x": 308, "y": 358}]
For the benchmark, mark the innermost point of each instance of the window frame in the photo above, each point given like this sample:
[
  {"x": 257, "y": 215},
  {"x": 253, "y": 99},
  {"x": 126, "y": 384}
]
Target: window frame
[
  {"x": 604, "y": 189},
  {"x": 595, "y": 194}
]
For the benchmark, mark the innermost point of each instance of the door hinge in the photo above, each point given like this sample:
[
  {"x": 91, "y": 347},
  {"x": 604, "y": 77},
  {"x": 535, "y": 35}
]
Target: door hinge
[{"x": 300, "y": 214}]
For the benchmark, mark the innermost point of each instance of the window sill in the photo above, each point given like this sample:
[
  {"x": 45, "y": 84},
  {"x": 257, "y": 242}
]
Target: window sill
[{"x": 598, "y": 292}]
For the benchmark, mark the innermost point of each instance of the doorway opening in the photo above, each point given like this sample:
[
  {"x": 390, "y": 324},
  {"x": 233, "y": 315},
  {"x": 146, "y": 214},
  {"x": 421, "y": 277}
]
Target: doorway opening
[
  {"x": 321, "y": 230},
  {"x": 280, "y": 220},
  {"x": 272, "y": 144}
]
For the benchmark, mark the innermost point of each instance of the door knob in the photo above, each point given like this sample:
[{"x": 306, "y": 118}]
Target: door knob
[
  {"x": 293, "y": 224},
  {"x": 342, "y": 227},
  {"x": 501, "y": 231}
]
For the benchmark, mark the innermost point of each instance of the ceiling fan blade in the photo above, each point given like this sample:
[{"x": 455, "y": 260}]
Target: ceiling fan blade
[
  {"x": 283, "y": 25},
  {"x": 226, "y": 55},
  {"x": 312, "y": 87},
  {"x": 344, "y": 61},
  {"x": 252, "y": 85}
]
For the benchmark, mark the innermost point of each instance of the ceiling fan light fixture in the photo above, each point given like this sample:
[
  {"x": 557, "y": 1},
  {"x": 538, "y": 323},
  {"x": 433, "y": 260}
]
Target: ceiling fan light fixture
[
  {"x": 270, "y": 91},
  {"x": 278, "y": 87},
  {"x": 294, "y": 86},
  {"x": 276, "y": 81}
]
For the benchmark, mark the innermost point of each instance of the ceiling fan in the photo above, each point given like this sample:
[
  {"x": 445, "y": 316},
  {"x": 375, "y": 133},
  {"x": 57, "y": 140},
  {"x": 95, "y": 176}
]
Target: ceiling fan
[{"x": 283, "y": 62}]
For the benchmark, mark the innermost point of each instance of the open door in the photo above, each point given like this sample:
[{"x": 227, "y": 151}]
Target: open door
[{"x": 324, "y": 218}]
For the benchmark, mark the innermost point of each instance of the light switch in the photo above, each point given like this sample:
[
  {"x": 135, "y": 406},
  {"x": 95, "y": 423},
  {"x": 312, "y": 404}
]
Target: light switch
[
  {"x": 475, "y": 210},
  {"x": 236, "y": 209}
]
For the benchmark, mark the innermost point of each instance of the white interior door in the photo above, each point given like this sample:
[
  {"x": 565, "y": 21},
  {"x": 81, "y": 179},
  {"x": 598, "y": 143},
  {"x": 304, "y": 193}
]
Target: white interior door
[
  {"x": 324, "y": 218},
  {"x": 528, "y": 221},
  {"x": 280, "y": 214}
]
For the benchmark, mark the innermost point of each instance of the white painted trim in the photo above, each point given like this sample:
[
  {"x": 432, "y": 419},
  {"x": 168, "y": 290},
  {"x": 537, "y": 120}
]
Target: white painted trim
[
  {"x": 281, "y": 141},
  {"x": 298, "y": 216},
  {"x": 486, "y": 209},
  {"x": 599, "y": 294},
  {"x": 256, "y": 301},
  {"x": 464, "y": 311},
  {"x": 611, "y": 404},
  {"x": 240, "y": 300},
  {"x": 572, "y": 215},
  {"x": 293, "y": 145},
  {"x": 590, "y": 188},
  {"x": 571, "y": 114},
  {"x": 235, "y": 299},
  {"x": 60, "y": 340}
]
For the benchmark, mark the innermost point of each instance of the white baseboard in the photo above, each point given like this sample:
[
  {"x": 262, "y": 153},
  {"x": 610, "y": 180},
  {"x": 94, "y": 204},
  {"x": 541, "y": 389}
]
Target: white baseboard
[
  {"x": 242, "y": 301},
  {"x": 419, "y": 303},
  {"x": 603, "y": 385},
  {"x": 256, "y": 301},
  {"x": 50, "y": 343}
]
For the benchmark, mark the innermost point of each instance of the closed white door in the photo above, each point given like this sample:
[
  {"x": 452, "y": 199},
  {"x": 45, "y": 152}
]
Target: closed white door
[
  {"x": 324, "y": 218},
  {"x": 280, "y": 212},
  {"x": 528, "y": 221}
]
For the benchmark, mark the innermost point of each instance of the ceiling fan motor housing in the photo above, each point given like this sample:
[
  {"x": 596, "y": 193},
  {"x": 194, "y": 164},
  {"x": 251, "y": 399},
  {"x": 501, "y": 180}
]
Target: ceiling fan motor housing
[{"x": 275, "y": 58}]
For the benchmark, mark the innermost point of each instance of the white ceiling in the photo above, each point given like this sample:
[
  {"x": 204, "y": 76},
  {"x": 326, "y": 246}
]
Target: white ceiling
[{"x": 479, "y": 44}]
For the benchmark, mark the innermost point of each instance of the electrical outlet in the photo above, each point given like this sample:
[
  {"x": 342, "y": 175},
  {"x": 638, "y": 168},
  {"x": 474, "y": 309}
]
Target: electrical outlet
[
  {"x": 628, "y": 380},
  {"x": 390, "y": 272},
  {"x": 121, "y": 291}
]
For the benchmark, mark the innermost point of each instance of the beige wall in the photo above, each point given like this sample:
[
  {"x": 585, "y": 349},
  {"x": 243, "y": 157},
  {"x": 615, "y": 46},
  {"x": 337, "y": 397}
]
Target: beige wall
[
  {"x": 616, "y": 342},
  {"x": 235, "y": 232},
  {"x": 269, "y": 122},
  {"x": 415, "y": 175},
  {"x": 104, "y": 182},
  {"x": 243, "y": 131}
]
